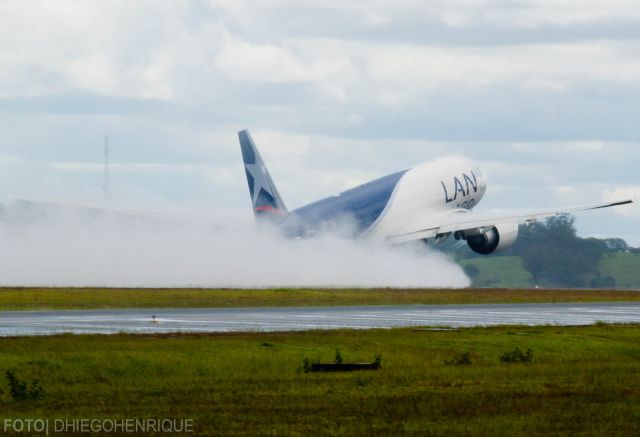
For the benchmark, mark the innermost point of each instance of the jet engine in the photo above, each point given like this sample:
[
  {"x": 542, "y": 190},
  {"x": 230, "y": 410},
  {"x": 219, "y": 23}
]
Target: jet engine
[{"x": 497, "y": 238}]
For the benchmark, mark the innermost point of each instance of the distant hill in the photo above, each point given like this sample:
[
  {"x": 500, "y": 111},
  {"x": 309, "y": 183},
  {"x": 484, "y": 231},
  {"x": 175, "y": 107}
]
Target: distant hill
[
  {"x": 624, "y": 268},
  {"x": 509, "y": 272},
  {"x": 551, "y": 255}
]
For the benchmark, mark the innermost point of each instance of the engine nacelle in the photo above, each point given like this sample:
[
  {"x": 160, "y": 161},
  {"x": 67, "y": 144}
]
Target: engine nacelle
[{"x": 498, "y": 238}]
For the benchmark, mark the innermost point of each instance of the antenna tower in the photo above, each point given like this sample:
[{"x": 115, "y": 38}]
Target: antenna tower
[{"x": 105, "y": 186}]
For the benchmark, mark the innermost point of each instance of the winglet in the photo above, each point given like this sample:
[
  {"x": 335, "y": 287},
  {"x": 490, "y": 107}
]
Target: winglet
[
  {"x": 619, "y": 203},
  {"x": 265, "y": 198}
]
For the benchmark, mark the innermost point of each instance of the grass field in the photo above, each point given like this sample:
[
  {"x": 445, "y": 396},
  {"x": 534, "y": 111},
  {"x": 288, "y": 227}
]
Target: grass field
[
  {"x": 71, "y": 298},
  {"x": 582, "y": 380}
]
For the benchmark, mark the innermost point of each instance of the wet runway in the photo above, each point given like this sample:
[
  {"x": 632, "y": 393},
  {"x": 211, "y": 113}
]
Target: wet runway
[{"x": 23, "y": 323}]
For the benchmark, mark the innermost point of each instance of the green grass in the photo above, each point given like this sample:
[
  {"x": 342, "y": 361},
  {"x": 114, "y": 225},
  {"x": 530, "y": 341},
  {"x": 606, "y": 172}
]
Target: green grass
[
  {"x": 583, "y": 380},
  {"x": 80, "y": 298}
]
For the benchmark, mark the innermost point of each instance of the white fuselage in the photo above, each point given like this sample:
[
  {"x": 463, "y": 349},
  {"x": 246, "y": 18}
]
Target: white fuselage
[{"x": 430, "y": 190}]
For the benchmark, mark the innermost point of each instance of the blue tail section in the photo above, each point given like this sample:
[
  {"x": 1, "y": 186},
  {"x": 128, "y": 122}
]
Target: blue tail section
[{"x": 266, "y": 201}]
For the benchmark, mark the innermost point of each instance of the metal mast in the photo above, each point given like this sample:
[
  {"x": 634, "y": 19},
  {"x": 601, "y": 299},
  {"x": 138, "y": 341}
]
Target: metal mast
[{"x": 105, "y": 186}]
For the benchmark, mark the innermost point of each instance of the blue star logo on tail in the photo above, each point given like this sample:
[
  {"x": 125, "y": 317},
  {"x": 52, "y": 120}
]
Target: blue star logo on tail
[{"x": 257, "y": 172}]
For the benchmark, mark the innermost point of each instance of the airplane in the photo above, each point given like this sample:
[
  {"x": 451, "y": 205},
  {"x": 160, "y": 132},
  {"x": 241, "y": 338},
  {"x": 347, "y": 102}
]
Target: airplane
[{"x": 433, "y": 201}]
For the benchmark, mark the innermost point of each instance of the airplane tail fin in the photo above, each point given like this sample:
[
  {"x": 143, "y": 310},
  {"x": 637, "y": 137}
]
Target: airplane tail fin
[{"x": 266, "y": 201}]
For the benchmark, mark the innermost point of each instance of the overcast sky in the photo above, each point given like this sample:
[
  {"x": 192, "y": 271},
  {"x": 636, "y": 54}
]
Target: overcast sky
[{"x": 545, "y": 94}]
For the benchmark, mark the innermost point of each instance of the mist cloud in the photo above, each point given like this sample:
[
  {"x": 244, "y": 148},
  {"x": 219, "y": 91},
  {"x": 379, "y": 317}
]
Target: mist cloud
[{"x": 79, "y": 250}]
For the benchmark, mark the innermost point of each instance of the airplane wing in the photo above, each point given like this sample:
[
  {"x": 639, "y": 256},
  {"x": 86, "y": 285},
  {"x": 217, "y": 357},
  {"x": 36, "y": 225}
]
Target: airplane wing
[
  {"x": 24, "y": 208},
  {"x": 465, "y": 220}
]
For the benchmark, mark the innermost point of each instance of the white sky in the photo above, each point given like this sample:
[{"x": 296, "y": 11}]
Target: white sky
[{"x": 544, "y": 94}]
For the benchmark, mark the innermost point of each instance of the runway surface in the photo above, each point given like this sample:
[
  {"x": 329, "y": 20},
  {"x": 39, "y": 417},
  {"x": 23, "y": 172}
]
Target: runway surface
[{"x": 23, "y": 323}]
